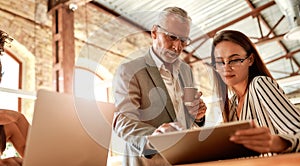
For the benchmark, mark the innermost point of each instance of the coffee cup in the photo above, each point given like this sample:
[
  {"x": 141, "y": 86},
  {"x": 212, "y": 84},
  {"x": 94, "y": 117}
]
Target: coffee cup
[{"x": 189, "y": 94}]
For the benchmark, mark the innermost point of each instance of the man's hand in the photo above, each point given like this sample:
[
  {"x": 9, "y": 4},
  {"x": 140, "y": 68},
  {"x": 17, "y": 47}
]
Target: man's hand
[
  {"x": 197, "y": 108},
  {"x": 168, "y": 127}
]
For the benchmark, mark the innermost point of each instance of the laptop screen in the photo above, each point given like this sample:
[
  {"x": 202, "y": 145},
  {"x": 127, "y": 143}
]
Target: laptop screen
[{"x": 68, "y": 131}]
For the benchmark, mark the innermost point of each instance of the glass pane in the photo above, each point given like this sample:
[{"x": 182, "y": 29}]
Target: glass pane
[
  {"x": 89, "y": 85},
  {"x": 10, "y": 80}
]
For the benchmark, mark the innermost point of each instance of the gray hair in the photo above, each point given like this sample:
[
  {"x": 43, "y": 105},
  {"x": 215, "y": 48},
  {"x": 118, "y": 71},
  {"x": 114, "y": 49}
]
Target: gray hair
[{"x": 175, "y": 11}]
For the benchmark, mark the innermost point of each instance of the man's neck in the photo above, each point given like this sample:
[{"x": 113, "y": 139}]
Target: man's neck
[{"x": 169, "y": 66}]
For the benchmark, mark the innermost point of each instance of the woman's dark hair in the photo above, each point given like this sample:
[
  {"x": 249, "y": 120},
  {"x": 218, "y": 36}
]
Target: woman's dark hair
[
  {"x": 4, "y": 38},
  {"x": 258, "y": 68}
]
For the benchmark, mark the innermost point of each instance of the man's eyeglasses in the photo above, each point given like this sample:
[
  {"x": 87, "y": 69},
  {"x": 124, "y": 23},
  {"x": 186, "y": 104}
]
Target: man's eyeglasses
[
  {"x": 172, "y": 37},
  {"x": 231, "y": 63}
]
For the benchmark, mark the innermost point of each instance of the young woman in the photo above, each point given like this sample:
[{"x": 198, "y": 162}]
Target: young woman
[
  {"x": 255, "y": 95},
  {"x": 13, "y": 125}
]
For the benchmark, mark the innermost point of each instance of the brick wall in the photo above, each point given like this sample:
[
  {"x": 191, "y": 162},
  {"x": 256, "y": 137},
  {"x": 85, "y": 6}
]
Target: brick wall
[{"x": 110, "y": 40}]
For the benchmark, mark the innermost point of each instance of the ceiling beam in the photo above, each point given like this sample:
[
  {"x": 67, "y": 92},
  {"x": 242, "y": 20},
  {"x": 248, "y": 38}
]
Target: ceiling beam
[
  {"x": 54, "y": 4},
  {"x": 255, "y": 12},
  {"x": 288, "y": 55},
  {"x": 210, "y": 34},
  {"x": 78, "y": 2},
  {"x": 125, "y": 20},
  {"x": 264, "y": 40},
  {"x": 252, "y": 13},
  {"x": 273, "y": 28}
]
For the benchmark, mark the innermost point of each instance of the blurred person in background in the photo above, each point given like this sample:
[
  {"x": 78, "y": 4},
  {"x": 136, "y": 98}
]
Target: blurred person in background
[{"x": 13, "y": 125}]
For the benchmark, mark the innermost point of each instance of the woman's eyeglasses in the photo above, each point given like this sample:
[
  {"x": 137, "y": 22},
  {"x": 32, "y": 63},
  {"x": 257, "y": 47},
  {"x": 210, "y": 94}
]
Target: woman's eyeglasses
[
  {"x": 172, "y": 37},
  {"x": 231, "y": 63}
]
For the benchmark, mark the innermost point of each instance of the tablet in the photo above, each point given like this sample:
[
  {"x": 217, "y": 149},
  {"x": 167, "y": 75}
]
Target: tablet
[{"x": 201, "y": 144}]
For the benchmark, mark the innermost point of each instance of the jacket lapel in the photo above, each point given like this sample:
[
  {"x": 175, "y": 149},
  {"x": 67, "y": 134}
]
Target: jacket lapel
[
  {"x": 186, "y": 80},
  {"x": 158, "y": 82}
]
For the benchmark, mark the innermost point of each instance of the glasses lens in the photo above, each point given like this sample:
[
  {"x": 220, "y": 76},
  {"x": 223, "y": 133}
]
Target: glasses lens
[
  {"x": 187, "y": 41},
  {"x": 231, "y": 63},
  {"x": 235, "y": 62},
  {"x": 172, "y": 37}
]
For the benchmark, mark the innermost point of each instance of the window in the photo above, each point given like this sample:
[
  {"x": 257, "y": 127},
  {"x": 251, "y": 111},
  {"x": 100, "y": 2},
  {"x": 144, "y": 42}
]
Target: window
[
  {"x": 10, "y": 81},
  {"x": 88, "y": 84},
  {"x": 11, "y": 68}
]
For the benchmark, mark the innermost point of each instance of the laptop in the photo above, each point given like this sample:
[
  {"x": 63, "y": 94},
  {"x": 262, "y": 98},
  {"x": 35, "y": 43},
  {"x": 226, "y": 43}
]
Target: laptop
[
  {"x": 68, "y": 131},
  {"x": 201, "y": 144}
]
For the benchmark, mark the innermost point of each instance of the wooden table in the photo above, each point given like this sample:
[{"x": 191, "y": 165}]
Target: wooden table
[{"x": 291, "y": 159}]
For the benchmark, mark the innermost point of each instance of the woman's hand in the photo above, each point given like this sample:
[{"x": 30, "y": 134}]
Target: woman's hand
[{"x": 259, "y": 139}]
